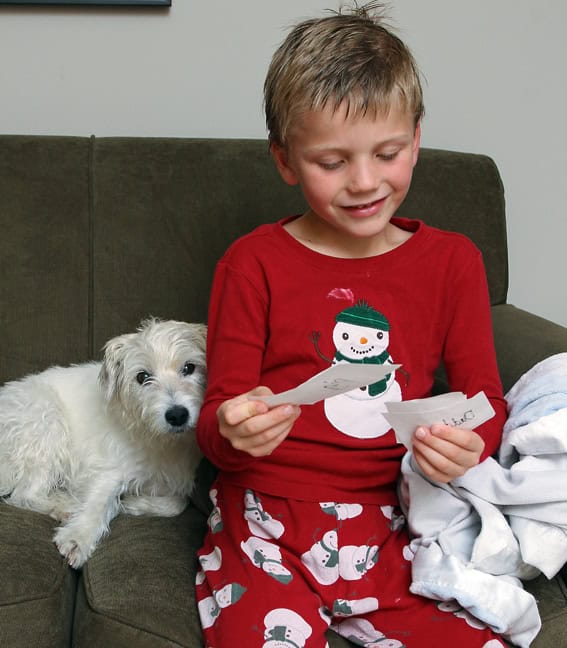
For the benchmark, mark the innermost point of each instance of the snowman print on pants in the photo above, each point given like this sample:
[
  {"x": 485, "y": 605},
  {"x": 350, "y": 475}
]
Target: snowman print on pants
[
  {"x": 285, "y": 629},
  {"x": 361, "y": 335},
  {"x": 211, "y": 607},
  {"x": 260, "y": 523},
  {"x": 267, "y": 557},
  {"x": 327, "y": 563},
  {"x": 363, "y": 633}
]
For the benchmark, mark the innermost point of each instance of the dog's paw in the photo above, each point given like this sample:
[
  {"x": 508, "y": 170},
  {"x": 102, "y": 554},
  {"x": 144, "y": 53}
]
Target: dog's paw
[
  {"x": 73, "y": 553},
  {"x": 71, "y": 549}
]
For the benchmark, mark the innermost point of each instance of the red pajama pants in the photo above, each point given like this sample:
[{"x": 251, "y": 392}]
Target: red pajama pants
[{"x": 277, "y": 574}]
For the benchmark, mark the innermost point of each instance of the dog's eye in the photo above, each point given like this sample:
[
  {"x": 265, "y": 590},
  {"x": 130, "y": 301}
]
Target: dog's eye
[
  {"x": 188, "y": 369},
  {"x": 142, "y": 377}
]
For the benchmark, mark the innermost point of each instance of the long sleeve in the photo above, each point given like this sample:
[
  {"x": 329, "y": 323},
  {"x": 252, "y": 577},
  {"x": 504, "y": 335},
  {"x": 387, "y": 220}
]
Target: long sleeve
[
  {"x": 237, "y": 324},
  {"x": 469, "y": 357}
]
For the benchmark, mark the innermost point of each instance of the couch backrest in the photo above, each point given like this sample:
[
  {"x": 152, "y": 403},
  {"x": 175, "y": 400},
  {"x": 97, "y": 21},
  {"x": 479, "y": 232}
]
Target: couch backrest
[{"x": 100, "y": 232}]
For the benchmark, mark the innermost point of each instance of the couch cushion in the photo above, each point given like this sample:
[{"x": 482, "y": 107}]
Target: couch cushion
[
  {"x": 551, "y": 596},
  {"x": 137, "y": 589},
  {"x": 536, "y": 337},
  {"x": 37, "y": 588},
  {"x": 166, "y": 210},
  {"x": 463, "y": 192},
  {"x": 44, "y": 253}
]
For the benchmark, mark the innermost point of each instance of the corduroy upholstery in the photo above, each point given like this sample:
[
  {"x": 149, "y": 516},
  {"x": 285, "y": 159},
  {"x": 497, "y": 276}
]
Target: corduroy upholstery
[{"x": 98, "y": 233}]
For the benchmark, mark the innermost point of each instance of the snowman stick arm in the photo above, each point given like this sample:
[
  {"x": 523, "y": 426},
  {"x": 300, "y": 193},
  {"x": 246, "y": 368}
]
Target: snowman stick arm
[
  {"x": 315, "y": 335},
  {"x": 406, "y": 375}
]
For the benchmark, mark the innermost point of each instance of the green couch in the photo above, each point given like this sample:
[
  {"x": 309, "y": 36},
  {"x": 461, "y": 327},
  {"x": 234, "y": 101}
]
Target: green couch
[{"x": 97, "y": 233}]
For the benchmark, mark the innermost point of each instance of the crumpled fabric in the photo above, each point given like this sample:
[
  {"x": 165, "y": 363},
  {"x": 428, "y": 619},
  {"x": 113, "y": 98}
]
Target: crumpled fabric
[{"x": 473, "y": 540}]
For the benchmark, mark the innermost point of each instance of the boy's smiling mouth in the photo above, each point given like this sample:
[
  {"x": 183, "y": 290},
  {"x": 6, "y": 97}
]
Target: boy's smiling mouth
[
  {"x": 364, "y": 205},
  {"x": 368, "y": 207}
]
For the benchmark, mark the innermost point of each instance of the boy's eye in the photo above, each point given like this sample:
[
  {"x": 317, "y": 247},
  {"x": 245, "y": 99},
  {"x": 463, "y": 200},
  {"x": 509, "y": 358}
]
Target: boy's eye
[
  {"x": 386, "y": 157},
  {"x": 330, "y": 166}
]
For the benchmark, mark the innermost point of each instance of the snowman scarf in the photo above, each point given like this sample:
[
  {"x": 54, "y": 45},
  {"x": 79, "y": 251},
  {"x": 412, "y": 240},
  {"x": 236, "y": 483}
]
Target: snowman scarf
[{"x": 376, "y": 388}]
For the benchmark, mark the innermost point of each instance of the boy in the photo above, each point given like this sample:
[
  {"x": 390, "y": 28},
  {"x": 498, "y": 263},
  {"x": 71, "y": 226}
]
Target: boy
[{"x": 306, "y": 533}]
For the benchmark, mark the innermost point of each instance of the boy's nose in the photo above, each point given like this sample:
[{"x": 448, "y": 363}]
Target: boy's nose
[{"x": 363, "y": 177}]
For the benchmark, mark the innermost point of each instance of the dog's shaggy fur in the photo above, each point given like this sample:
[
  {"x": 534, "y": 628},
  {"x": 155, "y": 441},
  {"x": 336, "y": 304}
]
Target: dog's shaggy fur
[{"x": 85, "y": 442}]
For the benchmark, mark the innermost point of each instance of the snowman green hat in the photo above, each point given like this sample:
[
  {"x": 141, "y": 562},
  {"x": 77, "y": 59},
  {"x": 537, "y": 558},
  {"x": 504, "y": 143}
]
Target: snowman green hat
[{"x": 362, "y": 314}]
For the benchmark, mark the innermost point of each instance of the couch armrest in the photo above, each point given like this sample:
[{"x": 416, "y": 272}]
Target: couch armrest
[{"x": 522, "y": 339}]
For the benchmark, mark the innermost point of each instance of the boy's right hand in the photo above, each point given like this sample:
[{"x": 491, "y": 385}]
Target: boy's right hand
[{"x": 251, "y": 426}]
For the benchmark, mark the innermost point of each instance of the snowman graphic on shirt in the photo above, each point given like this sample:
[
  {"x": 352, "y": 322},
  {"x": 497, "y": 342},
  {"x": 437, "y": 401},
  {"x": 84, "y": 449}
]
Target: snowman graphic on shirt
[{"x": 361, "y": 335}]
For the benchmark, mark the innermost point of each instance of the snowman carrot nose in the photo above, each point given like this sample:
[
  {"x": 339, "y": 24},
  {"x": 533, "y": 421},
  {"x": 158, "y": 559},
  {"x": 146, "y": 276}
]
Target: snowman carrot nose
[{"x": 363, "y": 340}]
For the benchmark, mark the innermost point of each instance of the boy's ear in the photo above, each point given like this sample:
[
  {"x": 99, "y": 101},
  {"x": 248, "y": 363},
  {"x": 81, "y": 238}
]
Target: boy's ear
[
  {"x": 416, "y": 142},
  {"x": 286, "y": 171}
]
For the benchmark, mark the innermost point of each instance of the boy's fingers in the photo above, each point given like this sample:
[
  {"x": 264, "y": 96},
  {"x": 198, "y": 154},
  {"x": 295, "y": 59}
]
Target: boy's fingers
[
  {"x": 262, "y": 435},
  {"x": 450, "y": 441},
  {"x": 466, "y": 439},
  {"x": 443, "y": 461},
  {"x": 266, "y": 420},
  {"x": 427, "y": 468},
  {"x": 264, "y": 444},
  {"x": 433, "y": 461},
  {"x": 445, "y": 455},
  {"x": 243, "y": 407}
]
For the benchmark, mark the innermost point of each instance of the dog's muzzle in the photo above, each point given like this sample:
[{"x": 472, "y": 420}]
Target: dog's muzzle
[{"x": 177, "y": 416}]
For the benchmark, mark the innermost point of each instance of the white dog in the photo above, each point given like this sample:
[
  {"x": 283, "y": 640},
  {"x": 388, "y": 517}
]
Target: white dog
[{"x": 85, "y": 442}]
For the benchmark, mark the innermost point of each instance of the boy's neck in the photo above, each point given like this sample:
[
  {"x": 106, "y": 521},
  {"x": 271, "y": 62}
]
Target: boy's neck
[{"x": 319, "y": 237}]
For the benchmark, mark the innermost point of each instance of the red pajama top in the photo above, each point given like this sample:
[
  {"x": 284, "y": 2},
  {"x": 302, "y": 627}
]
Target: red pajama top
[{"x": 281, "y": 312}]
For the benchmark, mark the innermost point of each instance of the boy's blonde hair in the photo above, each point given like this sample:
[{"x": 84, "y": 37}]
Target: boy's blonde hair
[{"x": 348, "y": 57}]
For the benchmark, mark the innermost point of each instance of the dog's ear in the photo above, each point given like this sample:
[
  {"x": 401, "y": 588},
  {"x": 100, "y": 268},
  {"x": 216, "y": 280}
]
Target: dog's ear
[
  {"x": 201, "y": 333},
  {"x": 111, "y": 372}
]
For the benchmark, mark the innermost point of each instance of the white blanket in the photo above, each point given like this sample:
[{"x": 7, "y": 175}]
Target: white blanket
[{"x": 506, "y": 520}]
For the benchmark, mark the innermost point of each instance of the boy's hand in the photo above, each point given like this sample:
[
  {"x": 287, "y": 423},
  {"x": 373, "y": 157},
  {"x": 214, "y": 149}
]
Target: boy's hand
[
  {"x": 251, "y": 426},
  {"x": 444, "y": 452}
]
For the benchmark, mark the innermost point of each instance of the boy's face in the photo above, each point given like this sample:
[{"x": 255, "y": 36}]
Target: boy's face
[{"x": 354, "y": 172}]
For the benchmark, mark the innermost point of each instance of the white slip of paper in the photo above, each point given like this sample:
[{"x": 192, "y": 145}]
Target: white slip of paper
[
  {"x": 335, "y": 380},
  {"x": 453, "y": 409}
]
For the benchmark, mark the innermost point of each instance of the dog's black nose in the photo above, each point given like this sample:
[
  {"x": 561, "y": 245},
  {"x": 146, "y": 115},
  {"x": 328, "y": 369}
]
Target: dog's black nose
[{"x": 177, "y": 415}]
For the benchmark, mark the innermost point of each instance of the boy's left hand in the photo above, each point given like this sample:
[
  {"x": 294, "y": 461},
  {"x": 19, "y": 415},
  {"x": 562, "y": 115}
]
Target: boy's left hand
[{"x": 444, "y": 452}]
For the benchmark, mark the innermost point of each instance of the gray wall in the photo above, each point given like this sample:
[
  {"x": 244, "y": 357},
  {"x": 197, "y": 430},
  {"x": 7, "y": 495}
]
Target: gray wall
[{"x": 495, "y": 72}]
